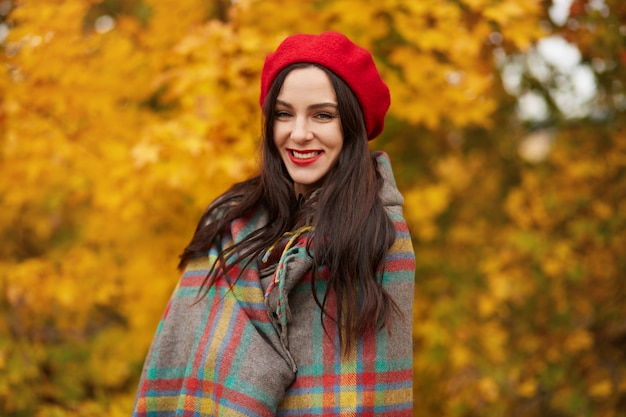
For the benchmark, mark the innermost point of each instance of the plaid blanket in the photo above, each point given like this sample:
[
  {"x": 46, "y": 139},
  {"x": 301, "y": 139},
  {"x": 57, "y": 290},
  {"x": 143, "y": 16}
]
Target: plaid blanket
[{"x": 259, "y": 349}]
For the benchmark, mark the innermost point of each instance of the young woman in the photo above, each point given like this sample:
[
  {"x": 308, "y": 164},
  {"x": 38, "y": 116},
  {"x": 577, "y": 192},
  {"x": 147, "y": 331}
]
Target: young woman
[{"x": 297, "y": 292}]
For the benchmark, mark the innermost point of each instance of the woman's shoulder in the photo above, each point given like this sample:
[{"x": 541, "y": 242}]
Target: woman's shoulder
[
  {"x": 389, "y": 194},
  {"x": 219, "y": 209}
]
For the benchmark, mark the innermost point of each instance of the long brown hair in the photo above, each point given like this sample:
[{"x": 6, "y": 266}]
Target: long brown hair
[{"x": 352, "y": 232}]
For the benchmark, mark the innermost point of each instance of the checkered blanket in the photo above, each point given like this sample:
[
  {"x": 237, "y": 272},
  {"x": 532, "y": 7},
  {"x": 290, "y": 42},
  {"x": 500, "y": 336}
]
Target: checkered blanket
[{"x": 259, "y": 348}]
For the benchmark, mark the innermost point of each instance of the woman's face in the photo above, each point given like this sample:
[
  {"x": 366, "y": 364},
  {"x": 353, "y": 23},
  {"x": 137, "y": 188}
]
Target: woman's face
[{"x": 307, "y": 127}]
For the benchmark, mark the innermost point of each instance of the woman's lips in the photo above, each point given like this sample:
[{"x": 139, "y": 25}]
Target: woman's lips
[{"x": 304, "y": 157}]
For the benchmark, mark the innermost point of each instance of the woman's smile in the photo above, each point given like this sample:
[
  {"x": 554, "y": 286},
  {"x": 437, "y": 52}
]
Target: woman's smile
[{"x": 304, "y": 157}]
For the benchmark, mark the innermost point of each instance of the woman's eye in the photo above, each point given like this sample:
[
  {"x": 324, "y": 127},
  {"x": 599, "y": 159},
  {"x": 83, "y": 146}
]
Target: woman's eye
[
  {"x": 281, "y": 114},
  {"x": 325, "y": 116}
]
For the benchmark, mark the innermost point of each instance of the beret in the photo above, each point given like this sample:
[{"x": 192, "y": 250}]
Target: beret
[{"x": 350, "y": 62}]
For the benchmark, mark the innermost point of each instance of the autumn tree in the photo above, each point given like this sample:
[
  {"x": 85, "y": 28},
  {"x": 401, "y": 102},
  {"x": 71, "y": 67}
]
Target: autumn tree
[{"x": 120, "y": 120}]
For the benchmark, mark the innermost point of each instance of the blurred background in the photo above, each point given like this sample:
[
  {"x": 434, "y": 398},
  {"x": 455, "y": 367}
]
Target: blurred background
[{"x": 120, "y": 120}]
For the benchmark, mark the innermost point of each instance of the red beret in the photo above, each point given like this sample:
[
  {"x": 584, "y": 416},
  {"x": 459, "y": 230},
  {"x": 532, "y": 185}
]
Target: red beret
[{"x": 353, "y": 64}]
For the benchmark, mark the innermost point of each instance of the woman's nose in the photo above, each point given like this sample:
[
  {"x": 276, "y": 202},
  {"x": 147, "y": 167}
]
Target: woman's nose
[{"x": 301, "y": 130}]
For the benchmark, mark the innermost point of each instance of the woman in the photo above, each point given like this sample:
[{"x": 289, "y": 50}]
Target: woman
[{"x": 297, "y": 291}]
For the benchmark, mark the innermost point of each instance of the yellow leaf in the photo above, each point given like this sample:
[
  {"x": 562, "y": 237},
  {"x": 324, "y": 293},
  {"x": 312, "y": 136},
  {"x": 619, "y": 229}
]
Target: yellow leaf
[
  {"x": 489, "y": 389},
  {"x": 579, "y": 340},
  {"x": 527, "y": 388},
  {"x": 601, "y": 389}
]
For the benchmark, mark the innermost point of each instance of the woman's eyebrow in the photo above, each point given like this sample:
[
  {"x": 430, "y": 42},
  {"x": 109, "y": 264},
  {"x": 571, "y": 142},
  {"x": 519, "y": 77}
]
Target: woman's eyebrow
[
  {"x": 283, "y": 103},
  {"x": 322, "y": 105},
  {"x": 312, "y": 106}
]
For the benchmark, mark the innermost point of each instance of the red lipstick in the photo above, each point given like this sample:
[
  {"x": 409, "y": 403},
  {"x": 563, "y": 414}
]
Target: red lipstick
[{"x": 306, "y": 160}]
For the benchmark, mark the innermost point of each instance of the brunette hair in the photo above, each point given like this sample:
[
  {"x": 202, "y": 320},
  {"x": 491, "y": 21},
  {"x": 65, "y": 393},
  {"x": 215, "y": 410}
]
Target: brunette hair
[{"x": 352, "y": 232}]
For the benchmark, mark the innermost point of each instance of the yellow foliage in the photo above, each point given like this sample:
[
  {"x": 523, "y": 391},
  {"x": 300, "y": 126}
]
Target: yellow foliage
[
  {"x": 580, "y": 339},
  {"x": 460, "y": 356},
  {"x": 488, "y": 389},
  {"x": 425, "y": 205},
  {"x": 527, "y": 388},
  {"x": 601, "y": 389},
  {"x": 493, "y": 340},
  {"x": 487, "y": 305}
]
